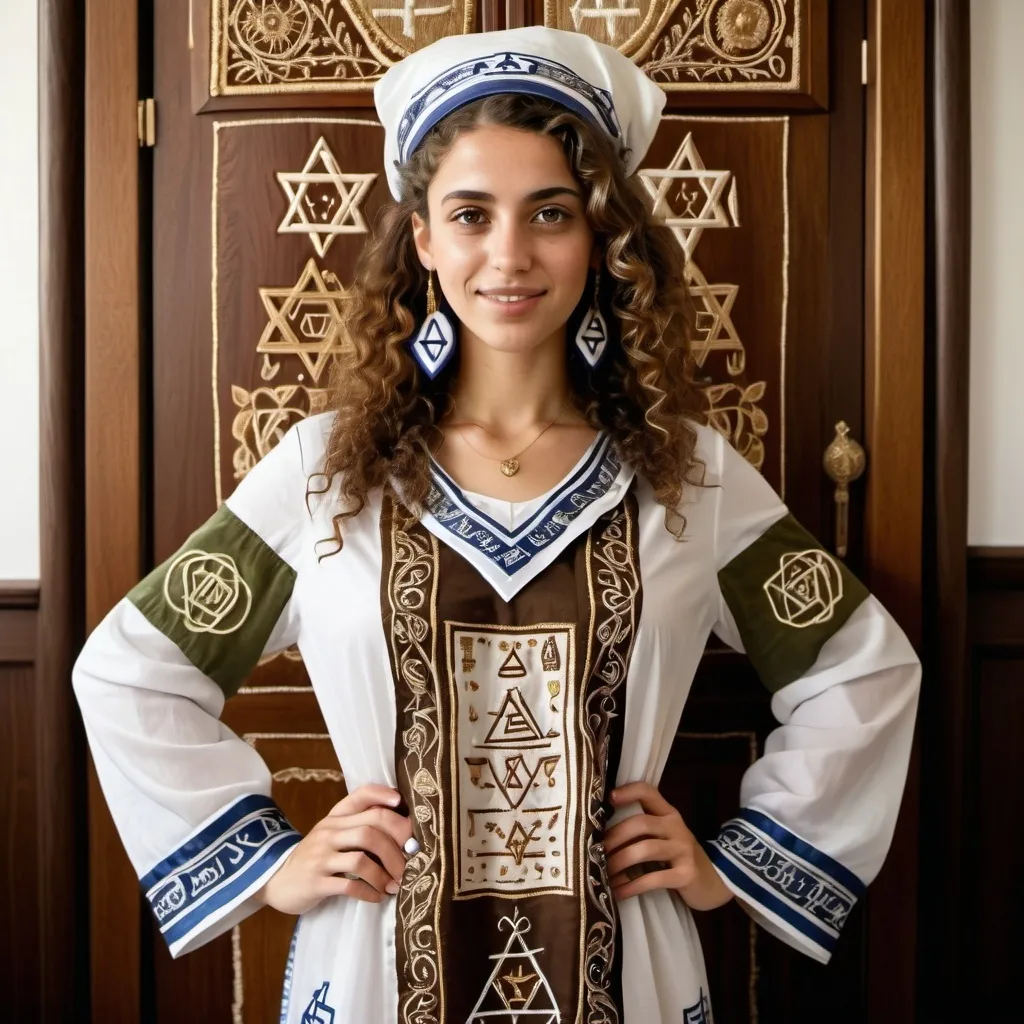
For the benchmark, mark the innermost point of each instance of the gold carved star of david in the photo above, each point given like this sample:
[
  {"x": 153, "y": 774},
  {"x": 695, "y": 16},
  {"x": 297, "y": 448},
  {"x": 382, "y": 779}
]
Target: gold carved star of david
[
  {"x": 687, "y": 182},
  {"x": 323, "y": 204},
  {"x": 306, "y": 320},
  {"x": 714, "y": 329}
]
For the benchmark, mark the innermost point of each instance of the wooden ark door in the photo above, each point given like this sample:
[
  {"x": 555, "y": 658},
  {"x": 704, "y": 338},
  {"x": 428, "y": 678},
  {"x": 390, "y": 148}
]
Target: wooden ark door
[{"x": 266, "y": 172}]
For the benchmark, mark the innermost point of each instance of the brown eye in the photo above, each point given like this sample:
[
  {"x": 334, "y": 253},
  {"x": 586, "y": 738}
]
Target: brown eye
[
  {"x": 552, "y": 215},
  {"x": 467, "y": 212}
]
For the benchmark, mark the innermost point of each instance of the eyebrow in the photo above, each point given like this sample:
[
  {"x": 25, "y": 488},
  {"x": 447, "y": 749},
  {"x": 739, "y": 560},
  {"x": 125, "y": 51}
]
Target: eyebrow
[{"x": 533, "y": 197}]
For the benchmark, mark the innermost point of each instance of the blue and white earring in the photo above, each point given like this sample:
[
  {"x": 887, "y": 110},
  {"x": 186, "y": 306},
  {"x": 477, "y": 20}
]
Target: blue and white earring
[
  {"x": 592, "y": 336},
  {"x": 435, "y": 342}
]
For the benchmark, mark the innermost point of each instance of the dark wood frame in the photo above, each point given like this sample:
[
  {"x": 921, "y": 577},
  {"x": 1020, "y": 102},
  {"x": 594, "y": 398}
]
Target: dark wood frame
[
  {"x": 61, "y": 952},
  {"x": 893, "y": 418},
  {"x": 945, "y": 705}
]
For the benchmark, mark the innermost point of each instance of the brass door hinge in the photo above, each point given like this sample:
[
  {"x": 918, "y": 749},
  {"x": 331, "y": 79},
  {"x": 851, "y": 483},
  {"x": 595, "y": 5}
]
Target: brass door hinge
[{"x": 147, "y": 122}]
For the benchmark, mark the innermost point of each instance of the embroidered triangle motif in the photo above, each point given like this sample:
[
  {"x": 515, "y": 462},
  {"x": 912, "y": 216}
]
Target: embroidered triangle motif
[
  {"x": 517, "y": 987},
  {"x": 513, "y": 722},
  {"x": 512, "y": 667}
]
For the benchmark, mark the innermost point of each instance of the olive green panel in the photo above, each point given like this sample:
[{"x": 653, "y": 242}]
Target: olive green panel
[
  {"x": 788, "y": 596},
  {"x": 218, "y": 598}
]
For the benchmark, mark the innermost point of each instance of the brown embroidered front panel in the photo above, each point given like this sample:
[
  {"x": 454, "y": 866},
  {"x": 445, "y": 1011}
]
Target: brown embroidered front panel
[{"x": 509, "y": 728}]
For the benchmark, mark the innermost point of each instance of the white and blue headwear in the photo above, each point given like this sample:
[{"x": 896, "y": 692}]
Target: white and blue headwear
[{"x": 592, "y": 79}]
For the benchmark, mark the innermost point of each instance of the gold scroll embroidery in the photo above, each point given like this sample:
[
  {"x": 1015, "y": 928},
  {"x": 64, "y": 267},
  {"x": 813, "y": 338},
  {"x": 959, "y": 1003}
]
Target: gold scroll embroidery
[
  {"x": 613, "y": 579},
  {"x": 412, "y": 597}
]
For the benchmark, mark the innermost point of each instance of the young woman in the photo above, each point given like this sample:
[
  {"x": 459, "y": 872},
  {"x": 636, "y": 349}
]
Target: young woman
[{"x": 501, "y": 555}]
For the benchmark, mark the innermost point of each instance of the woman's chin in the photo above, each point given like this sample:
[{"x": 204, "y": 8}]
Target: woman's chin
[{"x": 520, "y": 340}]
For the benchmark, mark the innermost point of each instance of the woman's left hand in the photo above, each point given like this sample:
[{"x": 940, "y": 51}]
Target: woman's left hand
[{"x": 659, "y": 835}]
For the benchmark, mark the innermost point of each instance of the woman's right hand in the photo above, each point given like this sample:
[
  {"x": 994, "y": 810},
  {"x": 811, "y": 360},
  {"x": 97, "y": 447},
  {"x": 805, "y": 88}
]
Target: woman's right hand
[{"x": 340, "y": 845}]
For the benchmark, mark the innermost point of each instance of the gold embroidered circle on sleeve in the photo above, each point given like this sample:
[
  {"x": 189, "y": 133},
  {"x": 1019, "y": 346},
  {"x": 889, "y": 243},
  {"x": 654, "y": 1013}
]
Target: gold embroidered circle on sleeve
[
  {"x": 806, "y": 589},
  {"x": 208, "y": 591}
]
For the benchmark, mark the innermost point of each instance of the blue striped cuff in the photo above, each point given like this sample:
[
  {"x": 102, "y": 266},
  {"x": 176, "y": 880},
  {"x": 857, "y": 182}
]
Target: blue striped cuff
[
  {"x": 217, "y": 867},
  {"x": 791, "y": 881}
]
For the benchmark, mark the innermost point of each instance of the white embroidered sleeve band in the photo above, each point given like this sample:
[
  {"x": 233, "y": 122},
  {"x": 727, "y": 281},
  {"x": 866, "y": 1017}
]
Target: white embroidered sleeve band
[
  {"x": 217, "y": 868},
  {"x": 788, "y": 880}
]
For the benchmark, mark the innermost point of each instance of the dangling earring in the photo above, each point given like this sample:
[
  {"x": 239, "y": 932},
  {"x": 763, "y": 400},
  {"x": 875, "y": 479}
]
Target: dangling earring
[
  {"x": 592, "y": 336},
  {"x": 435, "y": 342}
]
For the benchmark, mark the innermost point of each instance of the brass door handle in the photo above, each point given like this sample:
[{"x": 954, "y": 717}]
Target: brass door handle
[{"x": 844, "y": 462}]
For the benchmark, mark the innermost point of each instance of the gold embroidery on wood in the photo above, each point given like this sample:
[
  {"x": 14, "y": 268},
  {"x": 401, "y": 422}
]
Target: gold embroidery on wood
[
  {"x": 323, "y": 204},
  {"x": 690, "y": 199},
  {"x": 286, "y": 46},
  {"x": 281, "y": 46},
  {"x": 305, "y": 321},
  {"x": 730, "y": 45},
  {"x": 264, "y": 416}
]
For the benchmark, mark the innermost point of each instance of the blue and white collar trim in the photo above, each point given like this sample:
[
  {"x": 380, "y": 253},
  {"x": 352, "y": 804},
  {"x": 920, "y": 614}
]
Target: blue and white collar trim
[
  {"x": 485, "y": 76},
  {"x": 509, "y": 559}
]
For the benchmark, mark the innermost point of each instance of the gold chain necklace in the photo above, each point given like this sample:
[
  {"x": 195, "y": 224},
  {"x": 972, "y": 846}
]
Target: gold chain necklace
[{"x": 509, "y": 466}]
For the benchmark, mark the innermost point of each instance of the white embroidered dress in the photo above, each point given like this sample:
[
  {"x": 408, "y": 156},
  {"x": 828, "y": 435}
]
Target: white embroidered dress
[{"x": 503, "y": 666}]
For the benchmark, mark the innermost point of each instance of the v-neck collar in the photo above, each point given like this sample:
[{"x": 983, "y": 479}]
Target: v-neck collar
[{"x": 509, "y": 559}]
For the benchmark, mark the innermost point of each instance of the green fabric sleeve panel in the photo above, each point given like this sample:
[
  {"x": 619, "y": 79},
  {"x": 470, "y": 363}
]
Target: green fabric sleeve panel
[
  {"x": 788, "y": 597},
  {"x": 218, "y": 598}
]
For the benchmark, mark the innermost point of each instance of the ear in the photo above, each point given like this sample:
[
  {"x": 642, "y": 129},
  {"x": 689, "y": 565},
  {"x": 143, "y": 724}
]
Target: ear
[{"x": 421, "y": 239}]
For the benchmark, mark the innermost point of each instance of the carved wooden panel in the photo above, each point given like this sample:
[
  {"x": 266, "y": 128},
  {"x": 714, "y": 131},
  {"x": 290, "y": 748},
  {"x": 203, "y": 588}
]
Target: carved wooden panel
[
  {"x": 279, "y": 47},
  {"x": 296, "y": 194},
  {"x": 260, "y": 53},
  {"x": 744, "y": 47},
  {"x": 718, "y": 183}
]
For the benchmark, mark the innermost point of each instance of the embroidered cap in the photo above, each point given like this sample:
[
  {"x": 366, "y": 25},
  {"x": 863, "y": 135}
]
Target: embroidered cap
[{"x": 592, "y": 79}]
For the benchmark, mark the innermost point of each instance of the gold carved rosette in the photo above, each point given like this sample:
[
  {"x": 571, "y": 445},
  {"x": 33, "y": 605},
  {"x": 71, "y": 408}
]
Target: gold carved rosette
[
  {"x": 268, "y": 47},
  {"x": 697, "y": 45}
]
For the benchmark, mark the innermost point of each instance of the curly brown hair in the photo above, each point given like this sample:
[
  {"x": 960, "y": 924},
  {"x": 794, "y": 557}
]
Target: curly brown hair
[{"x": 642, "y": 394}]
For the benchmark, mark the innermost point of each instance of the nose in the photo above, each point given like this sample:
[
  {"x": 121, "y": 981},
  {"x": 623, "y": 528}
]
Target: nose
[{"x": 510, "y": 246}]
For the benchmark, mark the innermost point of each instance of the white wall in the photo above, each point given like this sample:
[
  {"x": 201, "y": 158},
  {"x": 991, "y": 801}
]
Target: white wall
[
  {"x": 19, "y": 294},
  {"x": 996, "y": 507}
]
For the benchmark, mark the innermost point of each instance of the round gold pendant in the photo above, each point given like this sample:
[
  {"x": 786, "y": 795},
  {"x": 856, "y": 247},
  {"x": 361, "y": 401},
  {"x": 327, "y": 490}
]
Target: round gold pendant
[{"x": 510, "y": 467}]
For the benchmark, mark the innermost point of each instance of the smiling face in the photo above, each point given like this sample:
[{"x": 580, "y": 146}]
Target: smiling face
[{"x": 507, "y": 235}]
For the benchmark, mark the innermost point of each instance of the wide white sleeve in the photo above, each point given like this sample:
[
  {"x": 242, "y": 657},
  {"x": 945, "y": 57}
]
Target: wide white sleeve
[
  {"x": 818, "y": 809},
  {"x": 190, "y": 799}
]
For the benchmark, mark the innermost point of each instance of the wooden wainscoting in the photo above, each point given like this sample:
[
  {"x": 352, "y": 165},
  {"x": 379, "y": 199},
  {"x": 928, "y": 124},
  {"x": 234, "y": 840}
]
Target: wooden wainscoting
[
  {"x": 19, "y": 914},
  {"x": 994, "y": 783}
]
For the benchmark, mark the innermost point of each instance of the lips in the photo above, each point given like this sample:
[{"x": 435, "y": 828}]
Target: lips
[{"x": 509, "y": 303}]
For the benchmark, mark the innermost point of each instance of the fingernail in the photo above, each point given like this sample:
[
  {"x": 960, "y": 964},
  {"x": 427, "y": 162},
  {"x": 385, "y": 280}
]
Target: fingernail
[
  {"x": 395, "y": 800},
  {"x": 392, "y": 887},
  {"x": 412, "y": 847}
]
